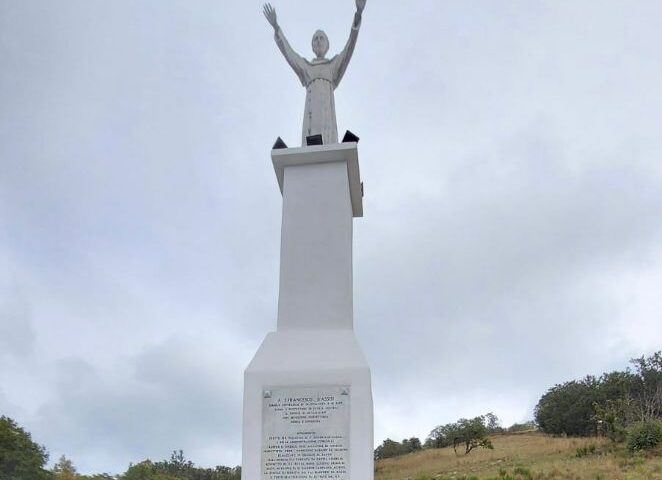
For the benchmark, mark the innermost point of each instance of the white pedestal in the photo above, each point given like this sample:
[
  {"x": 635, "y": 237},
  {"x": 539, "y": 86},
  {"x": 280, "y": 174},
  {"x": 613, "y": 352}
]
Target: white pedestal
[{"x": 323, "y": 429}]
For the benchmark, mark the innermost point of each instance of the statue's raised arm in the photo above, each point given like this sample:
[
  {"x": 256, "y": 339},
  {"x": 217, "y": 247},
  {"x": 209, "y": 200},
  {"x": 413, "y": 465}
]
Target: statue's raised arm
[
  {"x": 293, "y": 58},
  {"x": 342, "y": 59}
]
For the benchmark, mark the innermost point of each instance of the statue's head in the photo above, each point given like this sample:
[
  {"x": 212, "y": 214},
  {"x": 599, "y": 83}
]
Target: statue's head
[{"x": 320, "y": 44}]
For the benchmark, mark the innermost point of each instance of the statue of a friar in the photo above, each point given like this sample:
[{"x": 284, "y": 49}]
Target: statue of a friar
[{"x": 320, "y": 76}]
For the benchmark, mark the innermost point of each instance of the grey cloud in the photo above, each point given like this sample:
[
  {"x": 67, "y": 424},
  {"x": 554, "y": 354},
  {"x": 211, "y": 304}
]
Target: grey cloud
[
  {"x": 506, "y": 269},
  {"x": 174, "y": 395},
  {"x": 17, "y": 335},
  {"x": 7, "y": 407}
]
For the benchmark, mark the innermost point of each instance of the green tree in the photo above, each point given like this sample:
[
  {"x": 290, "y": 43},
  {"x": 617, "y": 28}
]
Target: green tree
[
  {"x": 472, "y": 434},
  {"x": 440, "y": 436},
  {"x": 644, "y": 435},
  {"x": 412, "y": 444},
  {"x": 613, "y": 417},
  {"x": 146, "y": 470},
  {"x": 20, "y": 457},
  {"x": 64, "y": 469},
  {"x": 568, "y": 408},
  {"x": 647, "y": 386},
  {"x": 388, "y": 449},
  {"x": 179, "y": 468},
  {"x": 227, "y": 473},
  {"x": 493, "y": 423}
]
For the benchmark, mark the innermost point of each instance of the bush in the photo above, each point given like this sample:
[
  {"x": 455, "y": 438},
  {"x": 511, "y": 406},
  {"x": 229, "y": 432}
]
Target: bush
[
  {"x": 390, "y": 448},
  {"x": 522, "y": 427},
  {"x": 519, "y": 473},
  {"x": 523, "y": 472},
  {"x": 586, "y": 450},
  {"x": 644, "y": 435}
]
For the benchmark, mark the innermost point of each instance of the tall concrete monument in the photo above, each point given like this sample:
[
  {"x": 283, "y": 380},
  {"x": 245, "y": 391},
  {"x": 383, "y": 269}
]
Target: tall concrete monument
[{"x": 307, "y": 393}]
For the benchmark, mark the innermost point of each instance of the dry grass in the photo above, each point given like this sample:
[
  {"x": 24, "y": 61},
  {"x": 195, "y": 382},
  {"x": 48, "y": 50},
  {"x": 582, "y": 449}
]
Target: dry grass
[{"x": 543, "y": 456}]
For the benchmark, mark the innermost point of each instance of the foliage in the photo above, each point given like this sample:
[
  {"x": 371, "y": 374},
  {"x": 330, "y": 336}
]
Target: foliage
[
  {"x": 644, "y": 435},
  {"x": 522, "y": 427},
  {"x": 390, "y": 448},
  {"x": 178, "y": 468},
  {"x": 440, "y": 436},
  {"x": 586, "y": 450},
  {"x": 413, "y": 444},
  {"x": 472, "y": 433},
  {"x": 493, "y": 424},
  {"x": 614, "y": 408},
  {"x": 647, "y": 386},
  {"x": 612, "y": 417},
  {"x": 604, "y": 405},
  {"x": 64, "y": 469},
  {"x": 568, "y": 408},
  {"x": 20, "y": 457},
  {"x": 145, "y": 470},
  {"x": 523, "y": 472}
]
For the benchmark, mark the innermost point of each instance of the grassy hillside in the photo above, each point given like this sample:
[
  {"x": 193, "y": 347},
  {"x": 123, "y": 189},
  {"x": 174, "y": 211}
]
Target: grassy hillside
[{"x": 526, "y": 456}]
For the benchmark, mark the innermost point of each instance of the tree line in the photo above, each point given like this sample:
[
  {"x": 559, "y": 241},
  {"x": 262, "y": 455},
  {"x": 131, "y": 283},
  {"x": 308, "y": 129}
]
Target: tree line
[
  {"x": 617, "y": 404},
  {"x": 23, "y": 459},
  {"x": 625, "y": 406},
  {"x": 466, "y": 434}
]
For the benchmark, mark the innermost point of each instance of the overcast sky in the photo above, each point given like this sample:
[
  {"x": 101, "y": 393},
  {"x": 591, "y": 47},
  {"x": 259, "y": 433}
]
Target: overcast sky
[{"x": 512, "y": 237}]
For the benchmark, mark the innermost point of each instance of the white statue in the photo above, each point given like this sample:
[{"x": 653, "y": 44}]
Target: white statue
[{"x": 320, "y": 76}]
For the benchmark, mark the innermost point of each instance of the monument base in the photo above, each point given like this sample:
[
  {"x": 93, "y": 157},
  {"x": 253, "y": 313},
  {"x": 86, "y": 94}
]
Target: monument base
[{"x": 308, "y": 408}]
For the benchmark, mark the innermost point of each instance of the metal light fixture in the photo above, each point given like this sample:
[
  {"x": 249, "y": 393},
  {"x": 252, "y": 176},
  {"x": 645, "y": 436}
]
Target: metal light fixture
[
  {"x": 279, "y": 144},
  {"x": 350, "y": 137},
  {"x": 314, "y": 139}
]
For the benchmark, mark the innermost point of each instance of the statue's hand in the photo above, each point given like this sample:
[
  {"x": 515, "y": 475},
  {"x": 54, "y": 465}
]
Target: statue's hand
[
  {"x": 360, "y": 5},
  {"x": 270, "y": 14}
]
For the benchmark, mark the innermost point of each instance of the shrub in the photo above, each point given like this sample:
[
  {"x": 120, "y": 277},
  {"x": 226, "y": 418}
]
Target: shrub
[
  {"x": 644, "y": 435},
  {"x": 522, "y": 427},
  {"x": 586, "y": 450},
  {"x": 523, "y": 472},
  {"x": 390, "y": 448},
  {"x": 519, "y": 473}
]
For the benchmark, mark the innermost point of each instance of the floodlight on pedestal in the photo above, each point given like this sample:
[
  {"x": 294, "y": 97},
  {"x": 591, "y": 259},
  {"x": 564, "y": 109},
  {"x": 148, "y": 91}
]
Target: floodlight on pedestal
[
  {"x": 350, "y": 137},
  {"x": 279, "y": 144},
  {"x": 314, "y": 140}
]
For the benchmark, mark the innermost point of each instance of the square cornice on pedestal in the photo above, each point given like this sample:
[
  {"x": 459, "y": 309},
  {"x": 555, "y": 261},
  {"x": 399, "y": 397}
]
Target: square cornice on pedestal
[{"x": 338, "y": 152}]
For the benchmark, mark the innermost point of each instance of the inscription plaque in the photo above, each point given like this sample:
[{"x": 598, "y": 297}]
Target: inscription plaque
[{"x": 305, "y": 433}]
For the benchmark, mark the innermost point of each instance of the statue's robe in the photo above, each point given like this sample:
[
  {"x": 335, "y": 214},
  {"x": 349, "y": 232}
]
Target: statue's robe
[{"x": 320, "y": 77}]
